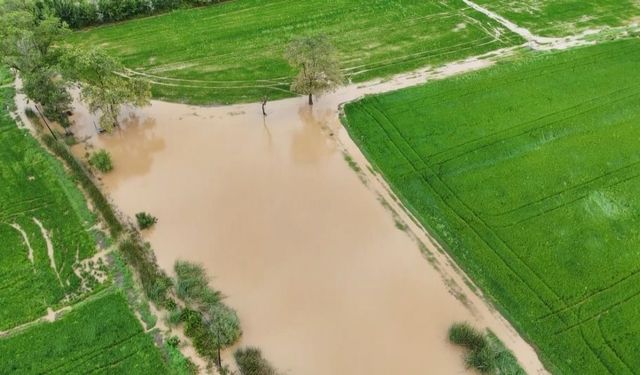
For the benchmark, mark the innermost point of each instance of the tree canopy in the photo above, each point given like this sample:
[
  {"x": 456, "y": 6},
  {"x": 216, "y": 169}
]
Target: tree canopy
[
  {"x": 103, "y": 85},
  {"x": 316, "y": 60}
]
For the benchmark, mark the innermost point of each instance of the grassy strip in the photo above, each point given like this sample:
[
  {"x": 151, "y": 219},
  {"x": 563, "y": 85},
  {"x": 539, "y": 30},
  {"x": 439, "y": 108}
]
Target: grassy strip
[
  {"x": 79, "y": 174},
  {"x": 188, "y": 57}
]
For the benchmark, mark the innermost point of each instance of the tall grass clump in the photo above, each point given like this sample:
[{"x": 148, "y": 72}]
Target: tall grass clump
[
  {"x": 210, "y": 323},
  {"x": 463, "y": 334},
  {"x": 101, "y": 160},
  {"x": 485, "y": 352},
  {"x": 155, "y": 283},
  {"x": 251, "y": 362}
]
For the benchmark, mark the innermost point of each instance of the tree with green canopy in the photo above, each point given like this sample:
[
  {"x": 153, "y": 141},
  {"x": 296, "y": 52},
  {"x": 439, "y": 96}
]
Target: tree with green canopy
[
  {"x": 316, "y": 60},
  {"x": 28, "y": 37},
  {"x": 104, "y": 86}
]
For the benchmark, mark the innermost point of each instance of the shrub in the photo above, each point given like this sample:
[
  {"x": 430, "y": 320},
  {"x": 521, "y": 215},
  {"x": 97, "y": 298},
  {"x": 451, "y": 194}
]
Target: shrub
[
  {"x": 212, "y": 324},
  {"x": 197, "y": 330},
  {"x": 155, "y": 282},
  {"x": 101, "y": 160},
  {"x": 178, "y": 363},
  {"x": 192, "y": 284},
  {"x": 251, "y": 362},
  {"x": 174, "y": 317},
  {"x": 82, "y": 13},
  {"x": 224, "y": 324},
  {"x": 466, "y": 336},
  {"x": 483, "y": 360},
  {"x": 145, "y": 220},
  {"x": 485, "y": 351},
  {"x": 173, "y": 341}
]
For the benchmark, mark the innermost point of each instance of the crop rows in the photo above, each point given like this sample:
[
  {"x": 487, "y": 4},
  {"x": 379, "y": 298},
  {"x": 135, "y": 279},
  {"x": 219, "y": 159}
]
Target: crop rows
[
  {"x": 100, "y": 336},
  {"x": 38, "y": 203},
  {"x": 527, "y": 173}
]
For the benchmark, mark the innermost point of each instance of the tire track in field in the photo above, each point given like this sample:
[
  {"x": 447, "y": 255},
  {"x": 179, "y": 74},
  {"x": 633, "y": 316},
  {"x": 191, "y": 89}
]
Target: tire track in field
[
  {"x": 522, "y": 76},
  {"x": 50, "y": 251},
  {"x": 526, "y": 127},
  {"x": 25, "y": 239},
  {"x": 479, "y": 236}
]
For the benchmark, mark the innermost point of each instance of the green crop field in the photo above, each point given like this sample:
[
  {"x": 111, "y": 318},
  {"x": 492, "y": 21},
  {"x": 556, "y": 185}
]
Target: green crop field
[
  {"x": 45, "y": 230},
  {"x": 565, "y": 17},
  {"x": 233, "y": 52},
  {"x": 528, "y": 174},
  {"x": 37, "y": 203},
  {"x": 101, "y": 336}
]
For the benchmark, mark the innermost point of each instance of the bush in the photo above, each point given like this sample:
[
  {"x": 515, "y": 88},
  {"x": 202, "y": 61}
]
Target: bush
[
  {"x": 192, "y": 284},
  {"x": 251, "y": 362},
  {"x": 483, "y": 360},
  {"x": 83, "y": 13},
  {"x": 212, "y": 324},
  {"x": 175, "y": 317},
  {"x": 173, "y": 341},
  {"x": 101, "y": 160},
  {"x": 466, "y": 336},
  {"x": 145, "y": 220},
  {"x": 155, "y": 282},
  {"x": 178, "y": 363},
  {"x": 225, "y": 324},
  {"x": 485, "y": 351}
]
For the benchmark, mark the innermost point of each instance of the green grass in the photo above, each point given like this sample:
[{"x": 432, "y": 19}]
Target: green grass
[
  {"x": 528, "y": 174},
  {"x": 233, "y": 52},
  {"x": 565, "y": 17},
  {"x": 34, "y": 188},
  {"x": 101, "y": 336}
]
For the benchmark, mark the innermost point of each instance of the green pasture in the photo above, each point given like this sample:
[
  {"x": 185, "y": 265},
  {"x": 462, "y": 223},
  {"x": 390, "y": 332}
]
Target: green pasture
[
  {"x": 565, "y": 17},
  {"x": 528, "y": 174},
  {"x": 99, "y": 337},
  {"x": 35, "y": 189},
  {"x": 233, "y": 52}
]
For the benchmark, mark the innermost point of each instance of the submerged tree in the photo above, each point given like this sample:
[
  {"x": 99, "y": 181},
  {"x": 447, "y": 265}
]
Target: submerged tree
[
  {"x": 316, "y": 60},
  {"x": 103, "y": 85},
  {"x": 47, "y": 87}
]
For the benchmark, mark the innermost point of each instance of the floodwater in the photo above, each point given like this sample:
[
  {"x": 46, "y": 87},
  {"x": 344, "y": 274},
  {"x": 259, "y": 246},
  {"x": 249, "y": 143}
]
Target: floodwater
[{"x": 322, "y": 279}]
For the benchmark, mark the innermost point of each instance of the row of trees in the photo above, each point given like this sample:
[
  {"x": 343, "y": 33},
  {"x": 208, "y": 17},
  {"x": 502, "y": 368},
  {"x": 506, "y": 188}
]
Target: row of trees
[
  {"x": 31, "y": 42},
  {"x": 83, "y": 13}
]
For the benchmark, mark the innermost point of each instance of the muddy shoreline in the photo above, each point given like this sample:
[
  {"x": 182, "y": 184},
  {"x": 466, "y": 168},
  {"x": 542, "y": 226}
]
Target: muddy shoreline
[{"x": 321, "y": 275}]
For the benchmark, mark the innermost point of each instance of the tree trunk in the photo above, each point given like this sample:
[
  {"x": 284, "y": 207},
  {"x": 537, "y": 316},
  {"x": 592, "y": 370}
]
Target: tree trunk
[{"x": 310, "y": 99}]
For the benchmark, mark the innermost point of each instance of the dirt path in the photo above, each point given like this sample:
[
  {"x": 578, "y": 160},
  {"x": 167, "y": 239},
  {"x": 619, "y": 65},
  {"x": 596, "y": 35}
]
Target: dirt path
[{"x": 534, "y": 41}]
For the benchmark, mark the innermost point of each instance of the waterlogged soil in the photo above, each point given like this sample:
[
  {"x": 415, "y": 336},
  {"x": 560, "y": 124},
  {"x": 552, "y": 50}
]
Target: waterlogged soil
[{"x": 322, "y": 278}]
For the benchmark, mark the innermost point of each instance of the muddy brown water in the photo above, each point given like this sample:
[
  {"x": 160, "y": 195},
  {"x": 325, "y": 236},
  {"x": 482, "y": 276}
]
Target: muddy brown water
[{"x": 322, "y": 279}]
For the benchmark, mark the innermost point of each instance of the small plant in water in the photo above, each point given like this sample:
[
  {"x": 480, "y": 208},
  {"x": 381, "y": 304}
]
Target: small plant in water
[
  {"x": 145, "y": 220},
  {"x": 101, "y": 160}
]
